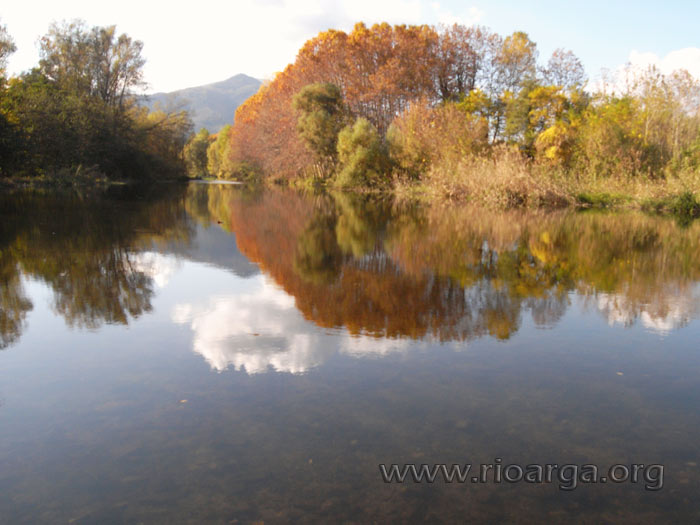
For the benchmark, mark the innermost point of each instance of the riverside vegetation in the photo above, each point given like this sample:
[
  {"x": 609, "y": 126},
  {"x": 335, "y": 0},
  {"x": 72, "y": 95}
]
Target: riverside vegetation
[
  {"x": 439, "y": 113},
  {"x": 75, "y": 119},
  {"x": 463, "y": 113}
]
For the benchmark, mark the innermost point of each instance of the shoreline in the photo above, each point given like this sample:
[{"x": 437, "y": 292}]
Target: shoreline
[{"x": 653, "y": 197}]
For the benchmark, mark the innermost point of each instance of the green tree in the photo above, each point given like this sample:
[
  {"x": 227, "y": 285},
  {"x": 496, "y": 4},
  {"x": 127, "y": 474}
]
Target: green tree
[
  {"x": 195, "y": 154},
  {"x": 92, "y": 62},
  {"x": 217, "y": 152},
  {"x": 362, "y": 156},
  {"x": 8, "y": 133},
  {"x": 78, "y": 109},
  {"x": 321, "y": 116}
]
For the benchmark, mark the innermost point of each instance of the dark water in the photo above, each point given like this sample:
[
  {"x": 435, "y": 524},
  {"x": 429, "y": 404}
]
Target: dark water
[{"x": 211, "y": 353}]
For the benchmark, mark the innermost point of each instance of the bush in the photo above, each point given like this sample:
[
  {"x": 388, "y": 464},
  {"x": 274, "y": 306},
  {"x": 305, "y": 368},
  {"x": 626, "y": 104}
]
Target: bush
[
  {"x": 423, "y": 136},
  {"x": 362, "y": 156}
]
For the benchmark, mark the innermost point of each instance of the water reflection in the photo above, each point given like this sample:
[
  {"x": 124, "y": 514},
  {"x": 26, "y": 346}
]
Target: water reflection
[
  {"x": 457, "y": 273},
  {"x": 261, "y": 329},
  {"x": 405, "y": 333},
  {"x": 362, "y": 263},
  {"x": 662, "y": 314},
  {"x": 15, "y": 304},
  {"x": 84, "y": 248}
]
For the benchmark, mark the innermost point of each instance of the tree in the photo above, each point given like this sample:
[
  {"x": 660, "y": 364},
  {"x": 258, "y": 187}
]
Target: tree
[
  {"x": 195, "y": 153},
  {"x": 565, "y": 70},
  {"x": 322, "y": 115},
  {"x": 9, "y": 136},
  {"x": 516, "y": 61},
  {"x": 462, "y": 57},
  {"x": 514, "y": 68},
  {"x": 7, "y": 47},
  {"x": 92, "y": 62},
  {"x": 218, "y": 151}
]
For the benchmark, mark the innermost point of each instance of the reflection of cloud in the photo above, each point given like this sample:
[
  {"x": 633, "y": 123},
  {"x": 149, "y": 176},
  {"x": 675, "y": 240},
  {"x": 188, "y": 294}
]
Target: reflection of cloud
[
  {"x": 660, "y": 315},
  {"x": 615, "y": 309},
  {"x": 676, "y": 317},
  {"x": 262, "y": 330},
  {"x": 158, "y": 267},
  {"x": 363, "y": 346}
]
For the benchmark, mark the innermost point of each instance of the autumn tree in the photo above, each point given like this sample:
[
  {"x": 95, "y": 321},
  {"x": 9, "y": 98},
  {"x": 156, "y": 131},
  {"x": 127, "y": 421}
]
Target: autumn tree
[
  {"x": 565, "y": 70},
  {"x": 458, "y": 60},
  {"x": 441, "y": 96}
]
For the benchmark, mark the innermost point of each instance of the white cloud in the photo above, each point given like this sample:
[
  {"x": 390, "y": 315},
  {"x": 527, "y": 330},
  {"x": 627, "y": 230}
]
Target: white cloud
[
  {"x": 687, "y": 58},
  {"x": 467, "y": 17},
  {"x": 620, "y": 78}
]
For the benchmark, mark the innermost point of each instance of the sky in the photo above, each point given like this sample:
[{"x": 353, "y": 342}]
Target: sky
[{"x": 192, "y": 43}]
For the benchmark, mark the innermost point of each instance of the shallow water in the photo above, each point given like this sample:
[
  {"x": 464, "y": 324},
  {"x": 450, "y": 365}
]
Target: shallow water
[{"x": 211, "y": 353}]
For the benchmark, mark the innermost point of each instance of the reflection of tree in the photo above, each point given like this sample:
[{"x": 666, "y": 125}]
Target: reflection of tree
[
  {"x": 359, "y": 220},
  {"x": 318, "y": 258},
  {"x": 455, "y": 272},
  {"x": 83, "y": 248},
  {"x": 210, "y": 203},
  {"x": 96, "y": 287},
  {"x": 15, "y": 304}
]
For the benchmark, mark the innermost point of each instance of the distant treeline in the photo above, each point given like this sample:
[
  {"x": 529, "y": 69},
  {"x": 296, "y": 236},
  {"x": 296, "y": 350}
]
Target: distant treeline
[
  {"x": 452, "y": 107},
  {"x": 76, "y": 112}
]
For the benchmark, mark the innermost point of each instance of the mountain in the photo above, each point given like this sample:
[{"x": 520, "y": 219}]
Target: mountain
[
  {"x": 211, "y": 106},
  {"x": 215, "y": 247}
]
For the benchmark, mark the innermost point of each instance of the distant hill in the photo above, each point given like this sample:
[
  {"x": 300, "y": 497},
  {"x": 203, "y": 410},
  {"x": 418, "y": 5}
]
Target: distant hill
[{"x": 212, "y": 106}]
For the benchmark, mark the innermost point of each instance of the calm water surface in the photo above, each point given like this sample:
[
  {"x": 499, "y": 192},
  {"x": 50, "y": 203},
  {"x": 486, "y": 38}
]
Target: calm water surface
[{"x": 211, "y": 353}]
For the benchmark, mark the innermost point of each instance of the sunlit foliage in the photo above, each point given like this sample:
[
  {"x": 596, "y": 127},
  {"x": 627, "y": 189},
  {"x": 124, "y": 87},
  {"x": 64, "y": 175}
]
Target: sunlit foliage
[
  {"x": 195, "y": 154},
  {"x": 363, "y": 161},
  {"x": 441, "y": 97}
]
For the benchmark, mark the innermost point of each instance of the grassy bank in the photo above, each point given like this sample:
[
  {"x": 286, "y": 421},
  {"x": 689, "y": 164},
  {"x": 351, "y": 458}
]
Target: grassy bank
[{"x": 508, "y": 182}]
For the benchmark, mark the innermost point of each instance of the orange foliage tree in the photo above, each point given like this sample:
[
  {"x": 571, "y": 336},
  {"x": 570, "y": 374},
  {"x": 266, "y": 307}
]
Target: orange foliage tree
[{"x": 381, "y": 70}]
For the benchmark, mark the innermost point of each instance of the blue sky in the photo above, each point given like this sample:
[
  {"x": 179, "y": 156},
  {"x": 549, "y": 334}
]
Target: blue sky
[
  {"x": 190, "y": 43},
  {"x": 602, "y": 34}
]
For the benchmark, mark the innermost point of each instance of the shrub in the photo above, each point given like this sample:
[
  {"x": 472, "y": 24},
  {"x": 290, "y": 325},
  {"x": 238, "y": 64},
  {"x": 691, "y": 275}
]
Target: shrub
[
  {"x": 362, "y": 156},
  {"x": 423, "y": 136}
]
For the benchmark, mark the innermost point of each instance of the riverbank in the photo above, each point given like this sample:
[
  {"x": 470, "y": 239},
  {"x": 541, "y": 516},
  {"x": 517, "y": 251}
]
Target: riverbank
[
  {"x": 75, "y": 178},
  {"x": 499, "y": 184}
]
